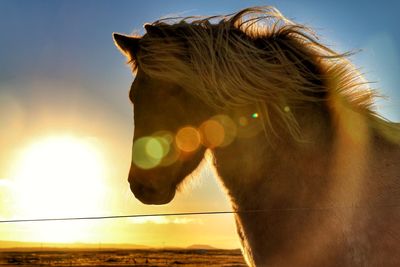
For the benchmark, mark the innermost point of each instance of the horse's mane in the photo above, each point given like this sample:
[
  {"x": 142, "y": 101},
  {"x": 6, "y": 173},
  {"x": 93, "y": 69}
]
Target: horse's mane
[{"x": 253, "y": 57}]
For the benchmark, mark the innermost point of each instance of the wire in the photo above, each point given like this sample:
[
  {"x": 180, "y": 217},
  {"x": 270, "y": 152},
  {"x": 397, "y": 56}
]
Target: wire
[
  {"x": 120, "y": 216},
  {"x": 196, "y": 213}
]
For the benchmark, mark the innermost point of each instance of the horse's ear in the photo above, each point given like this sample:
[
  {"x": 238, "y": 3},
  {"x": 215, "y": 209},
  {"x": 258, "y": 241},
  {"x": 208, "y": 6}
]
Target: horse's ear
[{"x": 128, "y": 45}]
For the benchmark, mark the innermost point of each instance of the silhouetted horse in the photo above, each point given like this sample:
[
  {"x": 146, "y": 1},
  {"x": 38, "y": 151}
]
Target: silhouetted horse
[{"x": 290, "y": 125}]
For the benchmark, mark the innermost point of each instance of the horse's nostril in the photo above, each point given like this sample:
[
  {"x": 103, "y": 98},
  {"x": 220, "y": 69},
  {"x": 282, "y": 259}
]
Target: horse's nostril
[{"x": 140, "y": 189}]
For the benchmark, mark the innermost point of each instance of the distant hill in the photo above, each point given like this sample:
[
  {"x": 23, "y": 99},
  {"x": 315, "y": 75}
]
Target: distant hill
[
  {"x": 15, "y": 245},
  {"x": 200, "y": 246}
]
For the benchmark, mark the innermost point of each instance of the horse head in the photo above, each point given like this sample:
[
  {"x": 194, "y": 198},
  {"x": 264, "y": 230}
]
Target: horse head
[{"x": 166, "y": 145}]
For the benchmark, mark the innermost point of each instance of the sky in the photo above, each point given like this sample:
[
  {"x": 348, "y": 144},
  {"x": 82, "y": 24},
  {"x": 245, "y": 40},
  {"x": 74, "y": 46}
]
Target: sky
[{"x": 64, "y": 92}]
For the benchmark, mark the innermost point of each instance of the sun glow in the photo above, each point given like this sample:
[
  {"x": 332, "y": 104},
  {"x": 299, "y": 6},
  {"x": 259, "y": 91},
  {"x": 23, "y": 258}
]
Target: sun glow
[{"x": 59, "y": 177}]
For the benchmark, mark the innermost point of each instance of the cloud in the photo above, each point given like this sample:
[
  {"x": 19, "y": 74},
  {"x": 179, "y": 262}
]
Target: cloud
[
  {"x": 180, "y": 14},
  {"x": 4, "y": 182},
  {"x": 165, "y": 220}
]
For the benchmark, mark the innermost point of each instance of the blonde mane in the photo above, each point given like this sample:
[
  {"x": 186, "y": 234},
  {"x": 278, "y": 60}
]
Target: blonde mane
[{"x": 254, "y": 57}]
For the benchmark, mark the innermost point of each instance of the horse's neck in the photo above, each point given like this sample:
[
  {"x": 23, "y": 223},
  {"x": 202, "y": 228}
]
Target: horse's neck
[
  {"x": 307, "y": 193},
  {"x": 250, "y": 167}
]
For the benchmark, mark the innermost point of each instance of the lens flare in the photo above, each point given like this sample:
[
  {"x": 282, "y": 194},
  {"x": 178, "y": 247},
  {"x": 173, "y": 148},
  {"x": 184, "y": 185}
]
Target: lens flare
[
  {"x": 154, "y": 148},
  {"x": 212, "y": 133},
  {"x": 286, "y": 109},
  {"x": 229, "y": 126},
  {"x": 166, "y": 135},
  {"x": 247, "y": 127},
  {"x": 147, "y": 152},
  {"x": 171, "y": 152},
  {"x": 243, "y": 121},
  {"x": 188, "y": 139}
]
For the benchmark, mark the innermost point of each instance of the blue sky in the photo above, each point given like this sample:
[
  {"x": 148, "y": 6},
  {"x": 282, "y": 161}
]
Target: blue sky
[
  {"x": 60, "y": 72},
  {"x": 71, "y": 40}
]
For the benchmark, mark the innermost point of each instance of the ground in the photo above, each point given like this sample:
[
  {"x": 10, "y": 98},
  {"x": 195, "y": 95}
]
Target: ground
[{"x": 108, "y": 257}]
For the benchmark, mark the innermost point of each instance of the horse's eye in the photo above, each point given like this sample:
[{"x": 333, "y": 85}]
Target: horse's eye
[{"x": 165, "y": 93}]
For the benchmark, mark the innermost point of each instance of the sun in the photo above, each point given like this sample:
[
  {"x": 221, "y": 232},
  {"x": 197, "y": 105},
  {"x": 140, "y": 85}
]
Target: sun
[{"x": 61, "y": 176}]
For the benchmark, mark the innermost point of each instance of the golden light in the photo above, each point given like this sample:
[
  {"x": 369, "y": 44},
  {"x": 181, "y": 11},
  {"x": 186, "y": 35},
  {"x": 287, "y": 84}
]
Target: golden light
[
  {"x": 10, "y": 126},
  {"x": 59, "y": 177},
  {"x": 188, "y": 139}
]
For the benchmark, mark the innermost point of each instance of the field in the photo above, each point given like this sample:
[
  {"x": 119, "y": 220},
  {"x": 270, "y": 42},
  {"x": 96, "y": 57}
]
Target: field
[{"x": 109, "y": 257}]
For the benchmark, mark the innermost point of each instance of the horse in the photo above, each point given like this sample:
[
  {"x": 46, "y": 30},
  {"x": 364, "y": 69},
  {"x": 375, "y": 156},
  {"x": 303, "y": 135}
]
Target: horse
[{"x": 312, "y": 171}]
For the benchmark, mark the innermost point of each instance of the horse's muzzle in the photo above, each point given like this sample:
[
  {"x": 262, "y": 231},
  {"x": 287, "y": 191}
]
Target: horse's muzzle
[{"x": 150, "y": 195}]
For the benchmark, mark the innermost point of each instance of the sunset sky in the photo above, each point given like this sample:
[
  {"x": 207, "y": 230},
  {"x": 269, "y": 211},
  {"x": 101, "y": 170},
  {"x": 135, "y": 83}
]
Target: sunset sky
[{"x": 64, "y": 106}]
